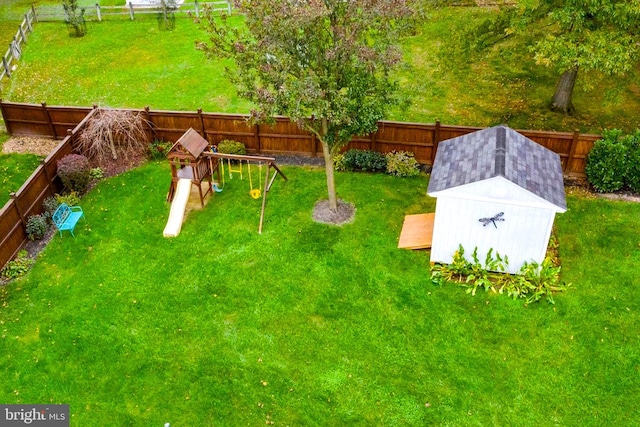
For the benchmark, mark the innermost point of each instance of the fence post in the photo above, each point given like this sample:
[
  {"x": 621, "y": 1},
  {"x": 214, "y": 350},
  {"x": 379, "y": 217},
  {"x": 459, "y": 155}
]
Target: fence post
[
  {"x": 5, "y": 64},
  {"x": 150, "y": 123},
  {"x": 197, "y": 9},
  {"x": 256, "y": 135},
  {"x": 131, "y": 10},
  {"x": 43, "y": 162},
  {"x": 7, "y": 124},
  {"x": 436, "y": 141},
  {"x": 314, "y": 145},
  {"x": 204, "y": 131},
  {"x": 49, "y": 121},
  {"x": 229, "y": 7},
  {"x": 15, "y": 48},
  {"x": 26, "y": 19},
  {"x": 572, "y": 150},
  {"x": 98, "y": 12},
  {"x": 22, "y": 34},
  {"x": 20, "y": 213},
  {"x": 373, "y": 140},
  {"x": 33, "y": 9}
]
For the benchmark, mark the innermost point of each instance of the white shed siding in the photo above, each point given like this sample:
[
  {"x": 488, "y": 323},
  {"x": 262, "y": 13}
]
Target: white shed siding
[{"x": 522, "y": 236}]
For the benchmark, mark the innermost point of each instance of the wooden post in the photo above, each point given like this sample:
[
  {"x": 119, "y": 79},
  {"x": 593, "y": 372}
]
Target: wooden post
[
  {"x": 98, "y": 12},
  {"x": 26, "y": 18},
  {"x": 7, "y": 123},
  {"x": 256, "y": 135},
  {"x": 5, "y": 64},
  {"x": 152, "y": 129},
  {"x": 15, "y": 48},
  {"x": 49, "y": 121},
  {"x": 264, "y": 197},
  {"x": 20, "y": 213},
  {"x": 46, "y": 174},
  {"x": 204, "y": 130},
  {"x": 572, "y": 150},
  {"x": 22, "y": 34},
  {"x": 131, "y": 10},
  {"x": 33, "y": 9},
  {"x": 197, "y": 9},
  {"x": 373, "y": 141},
  {"x": 436, "y": 141},
  {"x": 229, "y": 7}
]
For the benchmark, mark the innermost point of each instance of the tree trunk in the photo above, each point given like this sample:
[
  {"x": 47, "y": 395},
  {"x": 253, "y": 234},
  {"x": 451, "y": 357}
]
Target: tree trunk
[
  {"x": 564, "y": 91},
  {"x": 331, "y": 182}
]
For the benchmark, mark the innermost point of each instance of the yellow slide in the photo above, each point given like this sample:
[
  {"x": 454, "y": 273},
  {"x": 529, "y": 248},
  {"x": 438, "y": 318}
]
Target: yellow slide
[{"x": 178, "y": 206}]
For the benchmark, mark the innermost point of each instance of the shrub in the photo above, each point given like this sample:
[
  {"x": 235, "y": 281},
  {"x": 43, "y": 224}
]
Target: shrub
[
  {"x": 402, "y": 164},
  {"x": 231, "y": 147},
  {"x": 75, "y": 172},
  {"x": 96, "y": 173},
  {"x": 338, "y": 162},
  {"x": 36, "y": 226},
  {"x": 50, "y": 204},
  {"x": 158, "y": 149},
  {"x": 17, "y": 267},
  {"x": 364, "y": 160},
  {"x": 632, "y": 176},
  {"x": 607, "y": 162},
  {"x": 71, "y": 199}
]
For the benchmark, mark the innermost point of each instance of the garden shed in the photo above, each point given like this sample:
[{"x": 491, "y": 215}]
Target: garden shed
[{"x": 495, "y": 189}]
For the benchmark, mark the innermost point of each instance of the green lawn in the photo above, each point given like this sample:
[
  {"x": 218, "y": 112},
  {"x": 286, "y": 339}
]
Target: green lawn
[
  {"x": 14, "y": 170},
  {"x": 310, "y": 324},
  {"x": 124, "y": 63}
]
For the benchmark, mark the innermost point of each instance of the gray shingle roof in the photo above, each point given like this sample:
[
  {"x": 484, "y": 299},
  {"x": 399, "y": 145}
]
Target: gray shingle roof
[{"x": 499, "y": 151}]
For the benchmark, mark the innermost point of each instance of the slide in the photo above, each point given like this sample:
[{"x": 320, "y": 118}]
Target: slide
[{"x": 179, "y": 204}]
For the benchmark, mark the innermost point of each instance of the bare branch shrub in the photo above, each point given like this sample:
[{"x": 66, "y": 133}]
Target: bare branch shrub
[{"x": 111, "y": 132}]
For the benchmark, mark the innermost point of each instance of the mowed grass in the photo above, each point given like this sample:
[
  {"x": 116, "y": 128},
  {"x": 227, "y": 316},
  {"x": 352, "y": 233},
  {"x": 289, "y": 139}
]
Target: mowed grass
[
  {"x": 14, "y": 170},
  {"x": 309, "y": 324},
  {"x": 123, "y": 63}
]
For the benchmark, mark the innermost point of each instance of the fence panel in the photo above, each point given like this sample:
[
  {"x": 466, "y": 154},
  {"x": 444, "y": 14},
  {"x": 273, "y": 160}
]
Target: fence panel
[
  {"x": 218, "y": 127},
  {"x": 13, "y": 234},
  {"x": 65, "y": 118}
]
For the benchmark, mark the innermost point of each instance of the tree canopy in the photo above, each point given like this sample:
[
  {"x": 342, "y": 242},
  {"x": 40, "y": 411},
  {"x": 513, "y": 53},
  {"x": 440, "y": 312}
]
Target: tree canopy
[
  {"x": 571, "y": 35},
  {"x": 324, "y": 63}
]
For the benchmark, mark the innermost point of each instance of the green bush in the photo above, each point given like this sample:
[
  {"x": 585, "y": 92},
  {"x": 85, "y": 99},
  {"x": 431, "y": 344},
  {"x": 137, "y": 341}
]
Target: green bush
[
  {"x": 632, "y": 175},
  {"x": 75, "y": 172},
  {"x": 231, "y": 147},
  {"x": 607, "y": 162},
  {"x": 402, "y": 163},
  {"x": 50, "y": 204},
  {"x": 363, "y": 160},
  {"x": 17, "y": 267},
  {"x": 96, "y": 173},
  {"x": 36, "y": 226},
  {"x": 72, "y": 199},
  {"x": 338, "y": 162}
]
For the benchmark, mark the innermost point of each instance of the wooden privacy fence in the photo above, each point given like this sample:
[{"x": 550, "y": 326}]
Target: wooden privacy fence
[
  {"x": 27, "y": 201},
  {"x": 15, "y": 47},
  {"x": 281, "y": 138},
  {"x": 131, "y": 10}
]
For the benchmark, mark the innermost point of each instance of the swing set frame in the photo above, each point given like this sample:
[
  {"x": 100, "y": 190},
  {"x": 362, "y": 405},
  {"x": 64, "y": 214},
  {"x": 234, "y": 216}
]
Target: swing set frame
[{"x": 216, "y": 160}]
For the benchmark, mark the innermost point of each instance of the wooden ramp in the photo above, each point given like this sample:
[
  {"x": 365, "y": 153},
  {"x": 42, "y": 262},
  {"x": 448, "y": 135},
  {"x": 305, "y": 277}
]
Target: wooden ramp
[{"x": 417, "y": 231}]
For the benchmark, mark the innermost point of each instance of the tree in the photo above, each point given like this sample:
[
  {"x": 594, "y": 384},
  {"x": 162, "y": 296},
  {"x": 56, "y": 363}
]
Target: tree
[
  {"x": 571, "y": 36},
  {"x": 324, "y": 63},
  {"x": 74, "y": 18}
]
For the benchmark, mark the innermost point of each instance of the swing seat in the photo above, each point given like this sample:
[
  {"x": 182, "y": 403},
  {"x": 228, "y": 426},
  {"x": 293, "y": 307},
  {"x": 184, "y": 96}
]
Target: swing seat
[
  {"x": 255, "y": 193},
  {"x": 217, "y": 189}
]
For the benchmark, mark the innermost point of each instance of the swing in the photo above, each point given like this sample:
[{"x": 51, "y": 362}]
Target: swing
[{"x": 255, "y": 192}]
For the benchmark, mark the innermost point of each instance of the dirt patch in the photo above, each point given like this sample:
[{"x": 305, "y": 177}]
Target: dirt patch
[
  {"x": 30, "y": 145},
  {"x": 345, "y": 213}
]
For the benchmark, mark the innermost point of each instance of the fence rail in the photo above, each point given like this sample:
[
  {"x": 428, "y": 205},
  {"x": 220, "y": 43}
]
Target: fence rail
[
  {"x": 14, "y": 52},
  {"x": 131, "y": 10},
  {"x": 283, "y": 137}
]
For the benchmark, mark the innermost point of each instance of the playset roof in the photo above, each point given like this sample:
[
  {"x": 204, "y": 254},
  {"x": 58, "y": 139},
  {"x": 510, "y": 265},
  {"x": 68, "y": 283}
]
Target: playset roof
[{"x": 192, "y": 142}]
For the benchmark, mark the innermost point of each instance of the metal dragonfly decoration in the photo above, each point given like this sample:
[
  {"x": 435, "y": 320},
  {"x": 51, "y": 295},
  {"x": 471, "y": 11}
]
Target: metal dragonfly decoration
[{"x": 493, "y": 219}]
